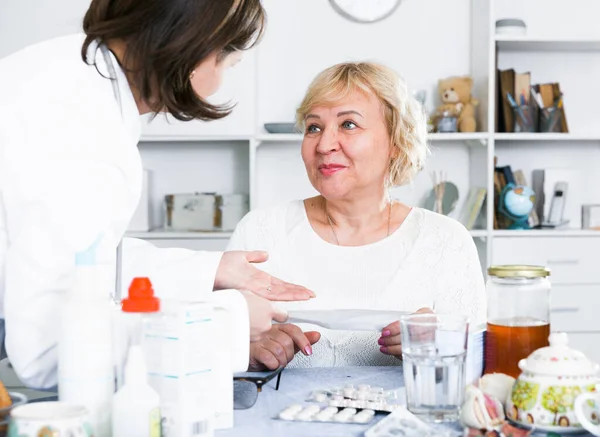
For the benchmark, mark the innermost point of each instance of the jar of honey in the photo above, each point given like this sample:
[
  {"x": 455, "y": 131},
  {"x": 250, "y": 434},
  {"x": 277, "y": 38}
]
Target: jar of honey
[{"x": 518, "y": 315}]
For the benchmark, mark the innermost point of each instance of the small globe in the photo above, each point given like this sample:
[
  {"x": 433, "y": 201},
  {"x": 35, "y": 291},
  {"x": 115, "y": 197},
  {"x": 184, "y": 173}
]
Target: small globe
[{"x": 518, "y": 201}]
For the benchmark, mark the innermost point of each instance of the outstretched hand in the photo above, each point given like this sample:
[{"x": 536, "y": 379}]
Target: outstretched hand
[{"x": 236, "y": 271}]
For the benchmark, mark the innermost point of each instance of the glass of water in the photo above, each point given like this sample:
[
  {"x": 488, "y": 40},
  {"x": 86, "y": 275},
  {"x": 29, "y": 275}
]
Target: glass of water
[{"x": 434, "y": 348}]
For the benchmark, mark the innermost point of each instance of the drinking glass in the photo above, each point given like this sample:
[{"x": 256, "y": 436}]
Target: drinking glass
[{"x": 434, "y": 348}]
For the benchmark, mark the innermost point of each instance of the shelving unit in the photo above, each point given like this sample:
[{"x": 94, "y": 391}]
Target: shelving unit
[
  {"x": 268, "y": 166},
  {"x": 549, "y": 44},
  {"x": 553, "y": 51}
]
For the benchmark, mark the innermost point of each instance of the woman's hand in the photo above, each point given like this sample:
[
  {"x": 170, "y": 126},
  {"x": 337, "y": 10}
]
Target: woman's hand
[
  {"x": 237, "y": 272},
  {"x": 390, "y": 341},
  {"x": 279, "y": 346}
]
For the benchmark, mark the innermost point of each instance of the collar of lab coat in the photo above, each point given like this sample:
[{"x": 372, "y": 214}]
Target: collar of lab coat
[{"x": 129, "y": 109}]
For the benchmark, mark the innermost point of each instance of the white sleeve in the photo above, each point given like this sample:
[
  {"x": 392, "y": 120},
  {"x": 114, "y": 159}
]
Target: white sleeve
[
  {"x": 174, "y": 272},
  {"x": 56, "y": 204},
  {"x": 462, "y": 288}
]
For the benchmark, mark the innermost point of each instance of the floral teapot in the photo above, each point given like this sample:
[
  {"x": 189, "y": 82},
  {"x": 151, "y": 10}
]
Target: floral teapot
[{"x": 552, "y": 377}]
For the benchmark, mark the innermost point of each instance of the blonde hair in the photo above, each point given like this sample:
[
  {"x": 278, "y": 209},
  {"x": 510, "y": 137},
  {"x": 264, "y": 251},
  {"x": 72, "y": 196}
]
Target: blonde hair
[{"x": 405, "y": 119}]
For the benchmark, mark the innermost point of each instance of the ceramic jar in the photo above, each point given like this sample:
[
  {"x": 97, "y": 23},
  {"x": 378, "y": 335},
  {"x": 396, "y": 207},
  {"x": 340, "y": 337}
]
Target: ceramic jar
[{"x": 552, "y": 377}]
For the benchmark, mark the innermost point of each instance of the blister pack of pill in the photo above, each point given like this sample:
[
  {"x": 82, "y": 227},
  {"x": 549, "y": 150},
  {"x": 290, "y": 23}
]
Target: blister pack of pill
[
  {"x": 315, "y": 413},
  {"x": 402, "y": 422},
  {"x": 360, "y": 397}
]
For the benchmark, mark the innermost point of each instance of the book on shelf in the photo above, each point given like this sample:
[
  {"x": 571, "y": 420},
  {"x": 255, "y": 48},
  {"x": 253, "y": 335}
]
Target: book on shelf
[
  {"x": 472, "y": 207},
  {"x": 506, "y": 85},
  {"x": 521, "y": 102}
]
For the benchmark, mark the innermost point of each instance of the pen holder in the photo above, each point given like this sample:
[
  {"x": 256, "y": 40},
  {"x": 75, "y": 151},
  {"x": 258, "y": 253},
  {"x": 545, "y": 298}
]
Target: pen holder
[
  {"x": 551, "y": 119},
  {"x": 524, "y": 119}
]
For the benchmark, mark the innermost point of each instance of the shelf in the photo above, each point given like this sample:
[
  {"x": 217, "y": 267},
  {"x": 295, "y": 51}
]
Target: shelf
[
  {"x": 192, "y": 138},
  {"x": 538, "y": 136},
  {"x": 478, "y": 233},
  {"x": 547, "y": 233},
  {"x": 296, "y": 138},
  {"x": 162, "y": 234},
  {"x": 528, "y": 44},
  {"x": 458, "y": 136}
]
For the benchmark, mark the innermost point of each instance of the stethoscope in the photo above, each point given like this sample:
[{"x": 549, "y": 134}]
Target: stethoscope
[{"x": 117, "y": 92}]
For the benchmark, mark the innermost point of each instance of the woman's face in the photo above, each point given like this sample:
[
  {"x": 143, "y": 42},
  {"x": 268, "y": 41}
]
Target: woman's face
[
  {"x": 207, "y": 77},
  {"x": 346, "y": 147}
]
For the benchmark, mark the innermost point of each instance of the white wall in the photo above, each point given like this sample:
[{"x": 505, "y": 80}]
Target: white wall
[
  {"x": 24, "y": 22},
  {"x": 306, "y": 36}
]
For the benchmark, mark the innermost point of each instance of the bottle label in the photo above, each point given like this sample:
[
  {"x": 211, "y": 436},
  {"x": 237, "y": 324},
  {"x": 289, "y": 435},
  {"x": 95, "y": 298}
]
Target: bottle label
[{"x": 155, "y": 430}]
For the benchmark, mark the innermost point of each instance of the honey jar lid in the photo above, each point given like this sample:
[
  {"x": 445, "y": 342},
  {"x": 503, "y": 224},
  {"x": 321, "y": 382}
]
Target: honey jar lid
[
  {"x": 558, "y": 360},
  {"x": 519, "y": 271}
]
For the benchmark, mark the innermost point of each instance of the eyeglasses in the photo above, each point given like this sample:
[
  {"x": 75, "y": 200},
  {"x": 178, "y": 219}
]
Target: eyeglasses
[{"x": 247, "y": 386}]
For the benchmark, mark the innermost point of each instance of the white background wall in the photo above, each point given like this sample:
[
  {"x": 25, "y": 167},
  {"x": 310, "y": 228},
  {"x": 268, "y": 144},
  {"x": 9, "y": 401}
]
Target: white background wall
[{"x": 24, "y": 22}]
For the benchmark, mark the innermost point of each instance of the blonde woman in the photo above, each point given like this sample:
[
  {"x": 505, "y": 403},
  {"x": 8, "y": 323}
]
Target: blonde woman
[{"x": 353, "y": 245}]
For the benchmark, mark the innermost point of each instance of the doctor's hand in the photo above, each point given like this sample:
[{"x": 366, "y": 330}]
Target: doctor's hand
[
  {"x": 279, "y": 346},
  {"x": 390, "y": 341},
  {"x": 237, "y": 272},
  {"x": 262, "y": 312}
]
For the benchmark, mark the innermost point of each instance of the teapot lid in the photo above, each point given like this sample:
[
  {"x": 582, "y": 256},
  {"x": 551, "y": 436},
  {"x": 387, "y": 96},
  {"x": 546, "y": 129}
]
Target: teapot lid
[{"x": 558, "y": 359}]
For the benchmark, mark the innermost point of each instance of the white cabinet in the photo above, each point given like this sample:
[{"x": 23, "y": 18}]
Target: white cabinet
[{"x": 572, "y": 260}]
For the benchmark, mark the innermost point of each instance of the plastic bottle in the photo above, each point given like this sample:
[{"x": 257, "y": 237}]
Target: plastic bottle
[
  {"x": 135, "y": 411},
  {"x": 85, "y": 346},
  {"x": 137, "y": 309}
]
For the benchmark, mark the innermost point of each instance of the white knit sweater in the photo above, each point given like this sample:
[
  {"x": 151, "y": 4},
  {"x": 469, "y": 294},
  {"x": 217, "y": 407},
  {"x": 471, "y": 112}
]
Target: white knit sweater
[{"x": 430, "y": 261}]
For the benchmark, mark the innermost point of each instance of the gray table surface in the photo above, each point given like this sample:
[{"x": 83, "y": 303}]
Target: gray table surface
[{"x": 296, "y": 386}]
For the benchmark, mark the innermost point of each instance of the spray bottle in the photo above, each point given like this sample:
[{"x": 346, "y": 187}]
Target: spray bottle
[{"x": 85, "y": 346}]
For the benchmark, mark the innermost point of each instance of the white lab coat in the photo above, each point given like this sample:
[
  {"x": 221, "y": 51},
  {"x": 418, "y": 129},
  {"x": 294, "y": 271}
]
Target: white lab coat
[{"x": 70, "y": 170}]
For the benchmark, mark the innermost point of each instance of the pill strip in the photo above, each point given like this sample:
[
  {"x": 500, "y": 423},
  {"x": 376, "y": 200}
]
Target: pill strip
[
  {"x": 362, "y": 397},
  {"x": 314, "y": 413}
]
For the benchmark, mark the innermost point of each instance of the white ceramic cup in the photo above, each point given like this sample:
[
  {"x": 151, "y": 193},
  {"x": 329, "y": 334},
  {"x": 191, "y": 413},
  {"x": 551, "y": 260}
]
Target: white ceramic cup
[
  {"x": 50, "y": 419},
  {"x": 584, "y": 411}
]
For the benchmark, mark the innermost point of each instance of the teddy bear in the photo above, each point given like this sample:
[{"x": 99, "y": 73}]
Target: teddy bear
[{"x": 455, "y": 94}]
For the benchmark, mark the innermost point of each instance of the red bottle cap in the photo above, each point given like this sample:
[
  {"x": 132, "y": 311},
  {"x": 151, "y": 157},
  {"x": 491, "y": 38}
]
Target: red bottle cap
[{"x": 141, "y": 297}]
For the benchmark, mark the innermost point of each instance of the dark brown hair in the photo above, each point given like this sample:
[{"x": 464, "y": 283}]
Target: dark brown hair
[{"x": 166, "y": 39}]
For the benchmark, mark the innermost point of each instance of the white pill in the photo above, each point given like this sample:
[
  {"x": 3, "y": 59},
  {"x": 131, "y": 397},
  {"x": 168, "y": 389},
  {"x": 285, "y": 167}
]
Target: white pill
[
  {"x": 312, "y": 409},
  {"x": 334, "y": 403},
  {"x": 349, "y": 393},
  {"x": 305, "y": 416},
  {"x": 321, "y": 397},
  {"x": 326, "y": 414},
  {"x": 361, "y": 395},
  {"x": 337, "y": 397},
  {"x": 349, "y": 411},
  {"x": 285, "y": 415},
  {"x": 364, "y": 387},
  {"x": 355, "y": 404},
  {"x": 372, "y": 397},
  {"x": 361, "y": 418},
  {"x": 340, "y": 417},
  {"x": 295, "y": 408}
]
